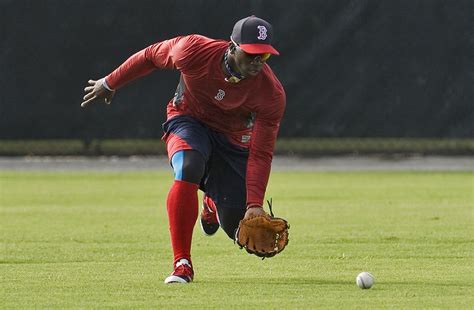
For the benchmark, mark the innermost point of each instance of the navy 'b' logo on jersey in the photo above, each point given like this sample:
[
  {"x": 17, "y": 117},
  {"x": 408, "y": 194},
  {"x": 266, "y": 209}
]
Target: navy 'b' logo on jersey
[{"x": 220, "y": 95}]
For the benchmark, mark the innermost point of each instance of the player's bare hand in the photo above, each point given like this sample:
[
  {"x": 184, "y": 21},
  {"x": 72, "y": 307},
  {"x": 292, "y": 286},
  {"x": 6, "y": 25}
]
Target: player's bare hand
[
  {"x": 254, "y": 211},
  {"x": 97, "y": 90}
]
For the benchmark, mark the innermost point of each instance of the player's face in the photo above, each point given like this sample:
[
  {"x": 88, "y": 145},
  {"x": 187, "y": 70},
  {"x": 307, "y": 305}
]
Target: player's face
[{"x": 249, "y": 64}]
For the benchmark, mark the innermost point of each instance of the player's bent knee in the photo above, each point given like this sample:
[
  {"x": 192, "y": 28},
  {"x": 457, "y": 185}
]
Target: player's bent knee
[
  {"x": 188, "y": 166},
  {"x": 229, "y": 219}
]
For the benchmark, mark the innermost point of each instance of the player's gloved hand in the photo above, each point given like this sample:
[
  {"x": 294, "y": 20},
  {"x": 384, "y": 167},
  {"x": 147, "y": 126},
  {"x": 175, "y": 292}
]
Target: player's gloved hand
[
  {"x": 262, "y": 234},
  {"x": 97, "y": 90}
]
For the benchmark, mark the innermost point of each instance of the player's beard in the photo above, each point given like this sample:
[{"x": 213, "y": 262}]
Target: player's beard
[{"x": 249, "y": 70}]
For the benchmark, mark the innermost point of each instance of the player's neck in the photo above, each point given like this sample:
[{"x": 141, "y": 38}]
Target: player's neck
[{"x": 228, "y": 67}]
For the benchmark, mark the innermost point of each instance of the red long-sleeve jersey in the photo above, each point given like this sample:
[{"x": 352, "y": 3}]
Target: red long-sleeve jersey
[{"x": 248, "y": 112}]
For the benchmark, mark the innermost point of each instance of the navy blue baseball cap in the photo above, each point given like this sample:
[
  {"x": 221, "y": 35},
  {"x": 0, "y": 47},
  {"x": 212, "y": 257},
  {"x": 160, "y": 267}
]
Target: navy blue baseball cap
[{"x": 254, "y": 36}]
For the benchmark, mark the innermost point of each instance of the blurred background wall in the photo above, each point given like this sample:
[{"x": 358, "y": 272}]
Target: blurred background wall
[{"x": 388, "y": 68}]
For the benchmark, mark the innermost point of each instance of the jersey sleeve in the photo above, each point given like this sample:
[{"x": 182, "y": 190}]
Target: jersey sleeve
[
  {"x": 260, "y": 158},
  {"x": 174, "y": 53}
]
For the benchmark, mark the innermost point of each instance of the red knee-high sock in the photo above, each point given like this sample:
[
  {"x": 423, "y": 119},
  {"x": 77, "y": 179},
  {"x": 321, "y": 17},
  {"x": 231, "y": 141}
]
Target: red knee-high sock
[{"x": 182, "y": 207}]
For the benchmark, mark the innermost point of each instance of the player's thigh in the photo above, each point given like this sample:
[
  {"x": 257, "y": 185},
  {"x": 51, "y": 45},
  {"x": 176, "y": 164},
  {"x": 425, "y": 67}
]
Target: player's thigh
[
  {"x": 189, "y": 145},
  {"x": 186, "y": 133}
]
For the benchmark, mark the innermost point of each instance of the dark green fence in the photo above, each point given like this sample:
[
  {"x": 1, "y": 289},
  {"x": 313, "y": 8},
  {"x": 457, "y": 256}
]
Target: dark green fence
[{"x": 379, "y": 68}]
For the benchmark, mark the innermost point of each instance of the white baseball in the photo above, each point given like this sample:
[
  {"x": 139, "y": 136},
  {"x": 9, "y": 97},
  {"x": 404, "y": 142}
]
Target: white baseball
[{"x": 365, "y": 280}]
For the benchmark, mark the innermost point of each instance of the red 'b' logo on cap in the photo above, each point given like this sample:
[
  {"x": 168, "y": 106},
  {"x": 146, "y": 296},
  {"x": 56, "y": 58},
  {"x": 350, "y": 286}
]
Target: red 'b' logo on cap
[{"x": 262, "y": 32}]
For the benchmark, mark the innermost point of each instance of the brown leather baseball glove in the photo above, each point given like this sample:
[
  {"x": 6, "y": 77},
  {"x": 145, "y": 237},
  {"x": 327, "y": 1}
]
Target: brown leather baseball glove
[{"x": 263, "y": 235}]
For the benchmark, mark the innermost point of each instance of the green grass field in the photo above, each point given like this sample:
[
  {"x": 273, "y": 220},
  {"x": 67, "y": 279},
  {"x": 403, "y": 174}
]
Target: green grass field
[{"x": 100, "y": 240}]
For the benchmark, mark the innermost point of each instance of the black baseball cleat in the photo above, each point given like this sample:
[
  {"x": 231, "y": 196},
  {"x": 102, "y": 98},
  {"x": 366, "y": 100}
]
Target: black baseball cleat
[{"x": 209, "y": 222}]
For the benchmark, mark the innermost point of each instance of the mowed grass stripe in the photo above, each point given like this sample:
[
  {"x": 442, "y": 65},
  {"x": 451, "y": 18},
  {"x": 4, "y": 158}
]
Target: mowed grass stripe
[{"x": 94, "y": 240}]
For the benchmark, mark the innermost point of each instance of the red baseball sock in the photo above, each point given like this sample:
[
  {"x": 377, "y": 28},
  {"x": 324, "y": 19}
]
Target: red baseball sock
[{"x": 182, "y": 207}]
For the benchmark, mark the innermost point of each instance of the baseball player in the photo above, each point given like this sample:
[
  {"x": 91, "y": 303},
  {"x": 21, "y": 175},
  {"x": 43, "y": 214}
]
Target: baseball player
[{"x": 220, "y": 131}]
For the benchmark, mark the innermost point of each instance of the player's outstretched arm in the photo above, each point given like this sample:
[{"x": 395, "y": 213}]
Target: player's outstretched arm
[{"x": 97, "y": 90}]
